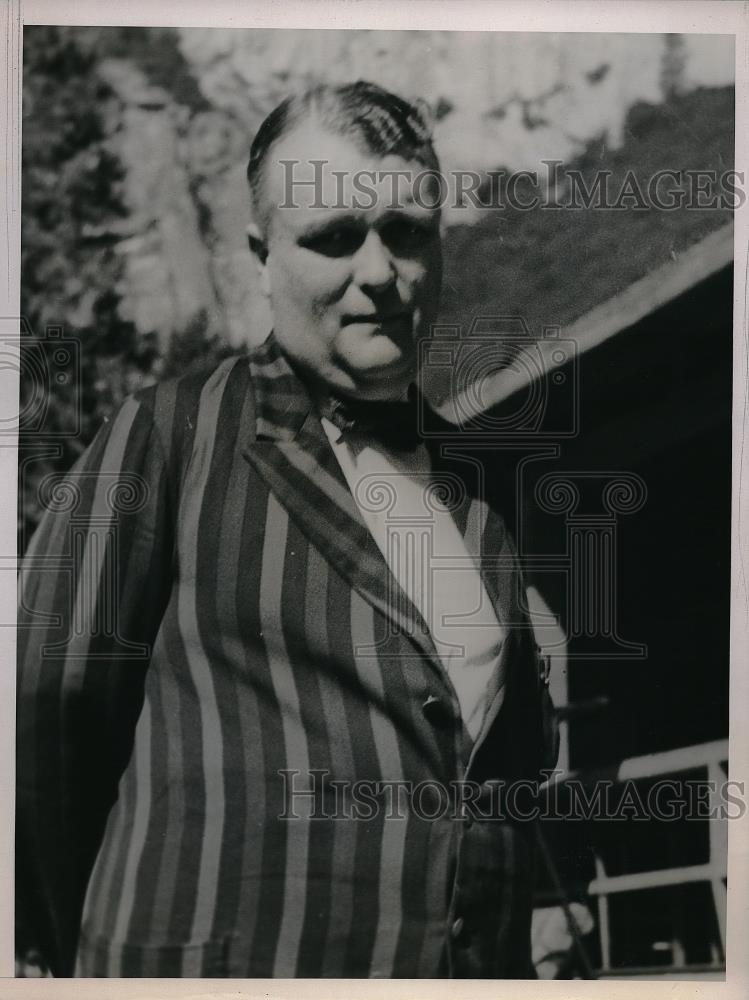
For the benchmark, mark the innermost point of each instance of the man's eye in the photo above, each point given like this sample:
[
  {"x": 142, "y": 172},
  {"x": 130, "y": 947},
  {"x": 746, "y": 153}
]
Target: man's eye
[
  {"x": 406, "y": 236},
  {"x": 340, "y": 242}
]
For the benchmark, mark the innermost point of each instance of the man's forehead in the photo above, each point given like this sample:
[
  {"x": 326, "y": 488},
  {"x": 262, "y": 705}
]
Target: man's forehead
[{"x": 315, "y": 169}]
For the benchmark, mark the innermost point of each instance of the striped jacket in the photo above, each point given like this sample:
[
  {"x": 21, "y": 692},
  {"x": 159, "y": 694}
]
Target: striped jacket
[{"x": 212, "y": 655}]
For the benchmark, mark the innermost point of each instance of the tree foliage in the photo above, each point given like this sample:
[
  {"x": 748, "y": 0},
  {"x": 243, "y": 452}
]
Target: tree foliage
[
  {"x": 72, "y": 215},
  {"x": 71, "y": 197}
]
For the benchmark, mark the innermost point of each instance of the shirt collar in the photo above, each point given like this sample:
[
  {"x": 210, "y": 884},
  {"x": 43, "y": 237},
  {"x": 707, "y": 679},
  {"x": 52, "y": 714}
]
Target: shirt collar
[{"x": 283, "y": 403}]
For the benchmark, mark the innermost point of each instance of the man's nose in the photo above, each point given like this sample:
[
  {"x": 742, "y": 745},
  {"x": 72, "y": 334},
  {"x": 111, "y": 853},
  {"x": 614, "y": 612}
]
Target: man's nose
[{"x": 373, "y": 265}]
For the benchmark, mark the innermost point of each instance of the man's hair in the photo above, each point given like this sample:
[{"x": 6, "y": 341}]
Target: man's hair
[{"x": 377, "y": 120}]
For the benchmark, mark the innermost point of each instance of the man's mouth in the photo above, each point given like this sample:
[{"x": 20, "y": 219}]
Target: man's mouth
[{"x": 378, "y": 319}]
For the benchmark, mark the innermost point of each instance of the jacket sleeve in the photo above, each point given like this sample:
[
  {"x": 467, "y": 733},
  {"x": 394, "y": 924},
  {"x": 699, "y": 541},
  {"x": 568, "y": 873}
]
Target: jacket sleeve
[{"x": 92, "y": 589}]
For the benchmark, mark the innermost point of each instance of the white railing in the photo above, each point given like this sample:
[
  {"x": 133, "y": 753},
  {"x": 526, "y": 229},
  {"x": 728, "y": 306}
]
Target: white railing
[{"x": 711, "y": 756}]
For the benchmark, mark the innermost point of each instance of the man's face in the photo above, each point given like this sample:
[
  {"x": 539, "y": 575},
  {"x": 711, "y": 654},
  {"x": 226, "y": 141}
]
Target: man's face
[{"x": 351, "y": 289}]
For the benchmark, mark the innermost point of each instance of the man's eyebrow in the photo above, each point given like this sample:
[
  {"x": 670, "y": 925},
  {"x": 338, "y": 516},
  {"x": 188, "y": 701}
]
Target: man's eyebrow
[
  {"x": 319, "y": 227},
  {"x": 420, "y": 216}
]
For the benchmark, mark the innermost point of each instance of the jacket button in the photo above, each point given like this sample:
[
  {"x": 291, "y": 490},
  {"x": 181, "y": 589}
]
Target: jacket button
[
  {"x": 457, "y": 928},
  {"x": 436, "y": 712}
]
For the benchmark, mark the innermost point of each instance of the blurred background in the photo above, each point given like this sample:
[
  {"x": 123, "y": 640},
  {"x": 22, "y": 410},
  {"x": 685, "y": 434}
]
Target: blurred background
[{"x": 135, "y": 267}]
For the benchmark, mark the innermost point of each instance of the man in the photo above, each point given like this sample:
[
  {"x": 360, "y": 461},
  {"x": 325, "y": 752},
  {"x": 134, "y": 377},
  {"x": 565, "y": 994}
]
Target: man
[{"x": 247, "y": 660}]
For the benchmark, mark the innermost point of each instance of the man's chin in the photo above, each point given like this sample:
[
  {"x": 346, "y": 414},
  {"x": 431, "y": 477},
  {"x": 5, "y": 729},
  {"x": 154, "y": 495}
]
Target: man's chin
[{"x": 386, "y": 380}]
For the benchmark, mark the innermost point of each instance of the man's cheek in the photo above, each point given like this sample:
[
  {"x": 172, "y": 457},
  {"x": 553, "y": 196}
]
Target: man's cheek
[{"x": 424, "y": 271}]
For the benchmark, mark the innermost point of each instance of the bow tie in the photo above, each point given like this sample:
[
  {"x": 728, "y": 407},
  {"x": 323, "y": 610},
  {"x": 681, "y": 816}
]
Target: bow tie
[{"x": 393, "y": 424}]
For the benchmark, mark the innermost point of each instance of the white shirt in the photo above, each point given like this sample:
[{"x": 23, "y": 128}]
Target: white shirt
[{"x": 427, "y": 555}]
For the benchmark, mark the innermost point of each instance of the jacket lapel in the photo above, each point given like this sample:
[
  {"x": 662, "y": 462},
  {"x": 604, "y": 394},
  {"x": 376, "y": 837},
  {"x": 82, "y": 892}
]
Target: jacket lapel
[{"x": 292, "y": 454}]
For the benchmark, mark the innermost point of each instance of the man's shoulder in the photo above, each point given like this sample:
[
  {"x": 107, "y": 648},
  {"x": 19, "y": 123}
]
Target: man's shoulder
[
  {"x": 176, "y": 405},
  {"x": 184, "y": 396},
  {"x": 199, "y": 384}
]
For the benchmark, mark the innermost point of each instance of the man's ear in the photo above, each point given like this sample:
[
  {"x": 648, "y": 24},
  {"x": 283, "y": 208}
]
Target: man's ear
[{"x": 259, "y": 250}]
